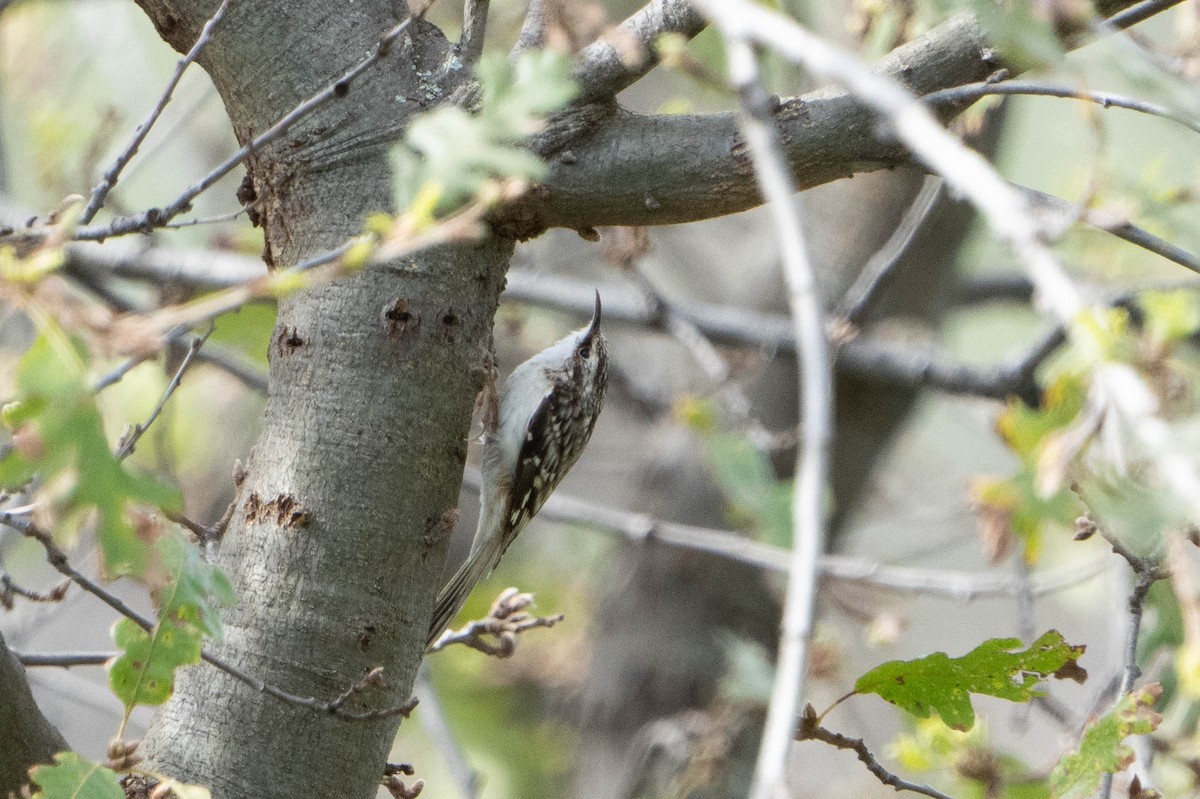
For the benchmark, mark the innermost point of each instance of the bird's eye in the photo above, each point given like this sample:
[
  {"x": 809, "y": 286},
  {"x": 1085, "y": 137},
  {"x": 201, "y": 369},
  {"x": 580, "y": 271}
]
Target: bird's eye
[{"x": 586, "y": 351}]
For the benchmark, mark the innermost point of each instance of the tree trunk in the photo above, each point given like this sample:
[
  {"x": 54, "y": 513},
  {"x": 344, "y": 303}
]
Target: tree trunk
[
  {"x": 343, "y": 515},
  {"x": 29, "y": 738}
]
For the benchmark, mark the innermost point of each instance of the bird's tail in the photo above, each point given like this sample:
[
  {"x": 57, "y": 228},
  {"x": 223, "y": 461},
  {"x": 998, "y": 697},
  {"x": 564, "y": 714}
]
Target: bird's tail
[{"x": 478, "y": 565}]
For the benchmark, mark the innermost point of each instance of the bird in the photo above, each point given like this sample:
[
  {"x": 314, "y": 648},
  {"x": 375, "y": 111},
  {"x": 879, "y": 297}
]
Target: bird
[{"x": 547, "y": 411}]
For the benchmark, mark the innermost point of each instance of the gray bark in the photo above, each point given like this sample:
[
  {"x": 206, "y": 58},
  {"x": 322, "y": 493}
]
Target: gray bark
[
  {"x": 29, "y": 739},
  {"x": 342, "y": 520}
]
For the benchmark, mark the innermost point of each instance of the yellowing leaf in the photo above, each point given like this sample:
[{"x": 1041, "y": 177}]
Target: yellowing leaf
[{"x": 1102, "y": 749}]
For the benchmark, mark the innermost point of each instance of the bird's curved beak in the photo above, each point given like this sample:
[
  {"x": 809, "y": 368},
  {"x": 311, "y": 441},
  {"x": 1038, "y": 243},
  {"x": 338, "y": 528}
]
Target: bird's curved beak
[{"x": 594, "y": 326}]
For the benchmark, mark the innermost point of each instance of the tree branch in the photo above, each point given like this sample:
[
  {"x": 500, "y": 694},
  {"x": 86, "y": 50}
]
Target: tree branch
[
  {"x": 811, "y": 731},
  {"x": 129, "y": 442},
  {"x": 62, "y": 660},
  {"x": 156, "y": 217},
  {"x": 470, "y": 45},
  {"x": 113, "y": 174},
  {"x": 533, "y": 29},
  {"x": 974, "y": 91},
  {"x": 598, "y": 178},
  {"x": 816, "y": 411},
  {"x": 921, "y": 581},
  {"x": 620, "y": 59},
  {"x": 863, "y": 357}
]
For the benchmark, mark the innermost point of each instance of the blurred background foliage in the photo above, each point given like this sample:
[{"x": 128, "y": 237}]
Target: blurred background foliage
[{"x": 655, "y": 683}]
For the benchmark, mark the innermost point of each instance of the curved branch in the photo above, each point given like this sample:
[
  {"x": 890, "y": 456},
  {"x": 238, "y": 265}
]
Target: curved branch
[
  {"x": 618, "y": 60},
  {"x": 612, "y": 167},
  {"x": 974, "y": 91}
]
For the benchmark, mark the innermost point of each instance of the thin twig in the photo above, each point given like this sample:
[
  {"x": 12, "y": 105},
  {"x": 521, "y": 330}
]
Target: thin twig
[
  {"x": 505, "y": 620},
  {"x": 235, "y": 364},
  {"x": 619, "y": 60},
  {"x": 118, "y": 374},
  {"x": 857, "y": 300},
  {"x": 945, "y": 584},
  {"x": 1139, "y": 13},
  {"x": 229, "y": 216},
  {"x": 1122, "y": 229},
  {"x": 58, "y": 559},
  {"x": 156, "y": 217},
  {"x": 130, "y": 441},
  {"x": 63, "y": 660},
  {"x": 816, "y": 408},
  {"x": 973, "y": 91},
  {"x": 9, "y": 588},
  {"x": 811, "y": 731},
  {"x": 863, "y": 357},
  {"x": 113, "y": 174},
  {"x": 1146, "y": 572}
]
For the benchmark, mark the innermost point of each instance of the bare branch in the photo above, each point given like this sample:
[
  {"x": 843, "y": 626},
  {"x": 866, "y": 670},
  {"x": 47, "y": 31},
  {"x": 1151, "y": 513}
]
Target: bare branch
[
  {"x": 63, "y": 660},
  {"x": 129, "y": 442},
  {"x": 953, "y": 585},
  {"x": 854, "y": 306},
  {"x": 470, "y": 45},
  {"x": 113, "y": 174},
  {"x": 596, "y": 180},
  {"x": 235, "y": 364},
  {"x": 9, "y": 588},
  {"x": 1120, "y": 228},
  {"x": 810, "y": 730},
  {"x": 863, "y": 357},
  {"x": 971, "y": 92},
  {"x": 816, "y": 413},
  {"x": 156, "y": 217},
  {"x": 1139, "y": 12},
  {"x": 533, "y": 29},
  {"x": 505, "y": 620},
  {"x": 620, "y": 59}
]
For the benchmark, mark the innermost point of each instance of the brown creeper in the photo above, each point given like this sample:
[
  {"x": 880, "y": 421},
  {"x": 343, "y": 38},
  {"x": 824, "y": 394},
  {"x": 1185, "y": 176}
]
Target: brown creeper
[{"x": 548, "y": 408}]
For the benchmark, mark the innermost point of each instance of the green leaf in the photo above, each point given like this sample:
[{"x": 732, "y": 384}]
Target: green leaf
[
  {"x": 942, "y": 684},
  {"x": 58, "y": 419},
  {"x": 144, "y": 672},
  {"x": 458, "y": 152},
  {"x": 195, "y": 589},
  {"x": 1102, "y": 749},
  {"x": 72, "y": 777},
  {"x": 188, "y": 600},
  {"x": 755, "y": 497}
]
